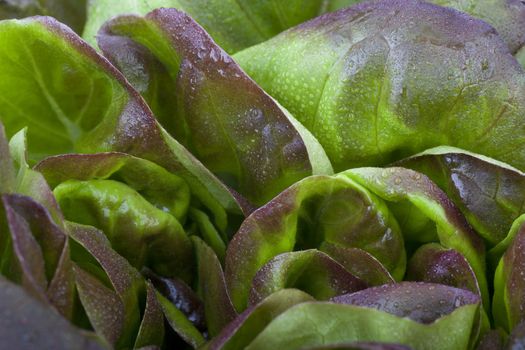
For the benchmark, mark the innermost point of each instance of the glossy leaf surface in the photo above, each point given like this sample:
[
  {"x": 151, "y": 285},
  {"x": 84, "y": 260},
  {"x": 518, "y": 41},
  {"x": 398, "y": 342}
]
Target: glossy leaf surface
[
  {"x": 373, "y": 90},
  {"x": 215, "y": 110},
  {"x": 317, "y": 209},
  {"x": 418, "y": 196},
  {"x": 488, "y": 193},
  {"x": 55, "y": 98},
  {"x": 327, "y": 323},
  {"x": 311, "y": 271}
]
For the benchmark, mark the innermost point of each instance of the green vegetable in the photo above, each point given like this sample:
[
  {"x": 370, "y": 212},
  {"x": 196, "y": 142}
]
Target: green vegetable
[
  {"x": 156, "y": 197},
  {"x": 326, "y": 323},
  {"x": 234, "y": 24},
  {"x": 374, "y": 91},
  {"x": 237, "y": 130},
  {"x": 317, "y": 211}
]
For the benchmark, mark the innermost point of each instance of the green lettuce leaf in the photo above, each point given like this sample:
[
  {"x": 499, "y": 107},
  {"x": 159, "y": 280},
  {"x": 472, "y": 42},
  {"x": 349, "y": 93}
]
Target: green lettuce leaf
[
  {"x": 146, "y": 211},
  {"x": 383, "y": 80},
  {"x": 312, "y": 213},
  {"x": 211, "y": 286},
  {"x": 70, "y": 12},
  {"x": 318, "y": 323},
  {"x": 72, "y": 100},
  {"x": 17, "y": 177},
  {"x": 241, "y": 331},
  {"x": 215, "y": 110},
  {"x": 494, "y": 255},
  {"x": 151, "y": 332},
  {"x": 179, "y": 323},
  {"x": 311, "y": 271},
  {"x": 30, "y": 182},
  {"x": 509, "y": 284},
  {"x": 488, "y": 193},
  {"x": 234, "y": 24},
  {"x": 7, "y": 168},
  {"x": 416, "y": 196},
  {"x": 143, "y": 234}
]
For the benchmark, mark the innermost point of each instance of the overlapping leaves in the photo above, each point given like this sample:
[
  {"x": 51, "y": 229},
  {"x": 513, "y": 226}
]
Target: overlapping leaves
[
  {"x": 374, "y": 90},
  {"x": 142, "y": 245}
]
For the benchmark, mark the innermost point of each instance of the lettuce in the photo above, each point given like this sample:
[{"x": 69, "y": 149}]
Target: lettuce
[
  {"x": 219, "y": 114},
  {"x": 154, "y": 196},
  {"x": 375, "y": 91},
  {"x": 316, "y": 212},
  {"x": 111, "y": 124},
  {"x": 234, "y": 24},
  {"x": 489, "y": 193}
]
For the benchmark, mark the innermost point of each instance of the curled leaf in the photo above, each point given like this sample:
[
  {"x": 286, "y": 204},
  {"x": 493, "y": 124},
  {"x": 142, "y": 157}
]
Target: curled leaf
[
  {"x": 311, "y": 271},
  {"x": 143, "y": 234},
  {"x": 360, "y": 263},
  {"x": 489, "y": 193},
  {"x": 152, "y": 185},
  {"x": 238, "y": 131},
  {"x": 62, "y": 85},
  {"x": 435, "y": 264},
  {"x": 151, "y": 332},
  {"x": 315, "y": 210},
  {"x": 415, "y": 192},
  {"x": 241, "y": 331},
  {"x": 318, "y": 323}
]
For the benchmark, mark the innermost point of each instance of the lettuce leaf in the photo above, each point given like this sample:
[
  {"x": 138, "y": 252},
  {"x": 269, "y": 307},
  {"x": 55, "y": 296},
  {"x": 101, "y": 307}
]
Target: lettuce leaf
[
  {"x": 313, "y": 213},
  {"x": 215, "y": 110},
  {"x": 318, "y": 323},
  {"x": 509, "y": 285},
  {"x": 26, "y": 323},
  {"x": 416, "y": 196},
  {"x": 489, "y": 193},
  {"x": 374, "y": 91},
  {"x": 234, "y": 24},
  {"x": 70, "y": 12},
  {"x": 56, "y": 96}
]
